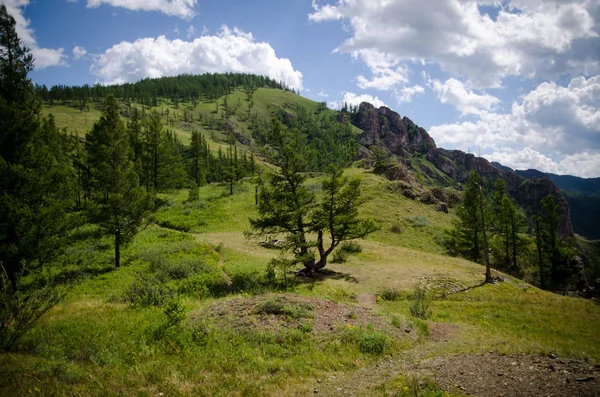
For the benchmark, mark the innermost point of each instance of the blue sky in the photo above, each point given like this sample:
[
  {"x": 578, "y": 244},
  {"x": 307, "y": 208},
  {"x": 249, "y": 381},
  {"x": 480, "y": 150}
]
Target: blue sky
[{"x": 516, "y": 81}]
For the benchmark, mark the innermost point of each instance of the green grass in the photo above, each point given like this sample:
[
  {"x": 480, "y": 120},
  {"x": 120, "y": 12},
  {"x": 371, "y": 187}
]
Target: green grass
[{"x": 99, "y": 341}]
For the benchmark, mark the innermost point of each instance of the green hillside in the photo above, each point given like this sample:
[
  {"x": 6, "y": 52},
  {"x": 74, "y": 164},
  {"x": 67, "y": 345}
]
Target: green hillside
[{"x": 197, "y": 309}]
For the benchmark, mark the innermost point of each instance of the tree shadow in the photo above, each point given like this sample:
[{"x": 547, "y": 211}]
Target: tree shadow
[{"x": 324, "y": 274}]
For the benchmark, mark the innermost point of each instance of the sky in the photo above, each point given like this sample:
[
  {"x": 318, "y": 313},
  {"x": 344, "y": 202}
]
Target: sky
[{"x": 515, "y": 81}]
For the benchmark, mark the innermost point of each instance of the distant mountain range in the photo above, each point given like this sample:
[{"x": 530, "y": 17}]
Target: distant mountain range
[{"x": 582, "y": 194}]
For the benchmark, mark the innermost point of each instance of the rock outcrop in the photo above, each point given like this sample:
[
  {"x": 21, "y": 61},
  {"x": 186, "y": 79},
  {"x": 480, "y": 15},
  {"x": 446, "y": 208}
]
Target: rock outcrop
[{"x": 385, "y": 128}]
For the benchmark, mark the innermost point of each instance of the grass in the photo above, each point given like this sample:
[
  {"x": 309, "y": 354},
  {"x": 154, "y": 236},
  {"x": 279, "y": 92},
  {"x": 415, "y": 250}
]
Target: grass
[{"x": 100, "y": 341}]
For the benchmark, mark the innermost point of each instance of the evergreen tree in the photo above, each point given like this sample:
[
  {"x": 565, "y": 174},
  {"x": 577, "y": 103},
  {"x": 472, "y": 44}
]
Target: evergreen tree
[
  {"x": 36, "y": 190},
  {"x": 466, "y": 237},
  {"x": 337, "y": 215},
  {"x": 284, "y": 201},
  {"x": 120, "y": 202},
  {"x": 286, "y": 206}
]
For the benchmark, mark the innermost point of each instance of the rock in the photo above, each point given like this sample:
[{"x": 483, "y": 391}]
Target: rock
[
  {"x": 385, "y": 128},
  {"x": 552, "y": 356}
]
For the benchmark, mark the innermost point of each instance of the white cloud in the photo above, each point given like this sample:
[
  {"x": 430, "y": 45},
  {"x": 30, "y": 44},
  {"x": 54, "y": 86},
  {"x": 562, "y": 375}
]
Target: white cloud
[
  {"x": 528, "y": 38},
  {"x": 353, "y": 99},
  {"x": 180, "y": 8},
  {"x": 384, "y": 78},
  {"x": 406, "y": 94},
  {"x": 322, "y": 93},
  {"x": 79, "y": 52},
  {"x": 456, "y": 94},
  {"x": 553, "y": 128},
  {"x": 228, "y": 51},
  {"x": 584, "y": 164},
  {"x": 44, "y": 57},
  {"x": 190, "y": 32}
]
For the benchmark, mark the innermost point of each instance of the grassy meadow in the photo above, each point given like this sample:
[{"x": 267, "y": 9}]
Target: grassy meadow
[{"x": 196, "y": 310}]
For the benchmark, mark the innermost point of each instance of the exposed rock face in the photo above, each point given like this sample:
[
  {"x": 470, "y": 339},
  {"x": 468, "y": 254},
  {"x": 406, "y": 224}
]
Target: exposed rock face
[{"x": 385, "y": 128}]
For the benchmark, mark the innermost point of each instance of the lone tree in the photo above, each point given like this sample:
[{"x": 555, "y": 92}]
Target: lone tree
[
  {"x": 287, "y": 207},
  {"x": 121, "y": 203}
]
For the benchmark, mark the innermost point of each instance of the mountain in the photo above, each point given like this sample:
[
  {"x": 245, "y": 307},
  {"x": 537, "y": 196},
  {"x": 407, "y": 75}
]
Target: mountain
[
  {"x": 583, "y": 196},
  {"x": 414, "y": 148}
]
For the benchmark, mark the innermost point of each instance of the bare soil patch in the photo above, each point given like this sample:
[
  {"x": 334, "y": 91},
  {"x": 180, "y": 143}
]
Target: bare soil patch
[
  {"x": 442, "y": 332},
  {"x": 322, "y": 315},
  {"x": 492, "y": 374}
]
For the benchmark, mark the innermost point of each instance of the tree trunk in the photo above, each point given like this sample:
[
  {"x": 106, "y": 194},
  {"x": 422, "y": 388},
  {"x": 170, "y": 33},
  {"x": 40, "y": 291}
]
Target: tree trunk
[
  {"x": 514, "y": 243},
  {"x": 538, "y": 241},
  {"x": 118, "y": 248},
  {"x": 488, "y": 273}
]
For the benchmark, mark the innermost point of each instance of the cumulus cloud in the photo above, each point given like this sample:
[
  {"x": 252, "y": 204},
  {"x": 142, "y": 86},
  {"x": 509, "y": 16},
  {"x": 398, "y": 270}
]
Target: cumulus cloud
[
  {"x": 528, "y": 38},
  {"x": 406, "y": 94},
  {"x": 554, "y": 128},
  {"x": 180, "y": 8},
  {"x": 353, "y": 99},
  {"x": 79, "y": 52},
  {"x": 454, "y": 92},
  {"x": 44, "y": 57},
  {"x": 228, "y": 51},
  {"x": 584, "y": 164}
]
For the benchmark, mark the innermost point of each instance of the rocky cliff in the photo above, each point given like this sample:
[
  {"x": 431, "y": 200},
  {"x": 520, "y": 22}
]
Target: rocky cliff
[{"x": 385, "y": 129}]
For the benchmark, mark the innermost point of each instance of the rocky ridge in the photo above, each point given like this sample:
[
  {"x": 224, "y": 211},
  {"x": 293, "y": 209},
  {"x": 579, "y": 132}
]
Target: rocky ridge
[{"x": 402, "y": 140}]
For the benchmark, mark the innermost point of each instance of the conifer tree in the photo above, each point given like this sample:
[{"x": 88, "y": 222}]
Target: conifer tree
[
  {"x": 36, "y": 189},
  {"x": 120, "y": 202}
]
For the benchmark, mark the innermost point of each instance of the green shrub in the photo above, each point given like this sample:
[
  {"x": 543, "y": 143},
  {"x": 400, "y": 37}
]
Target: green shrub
[
  {"x": 389, "y": 294},
  {"x": 279, "y": 306},
  {"x": 419, "y": 305},
  {"x": 20, "y": 310},
  {"x": 418, "y": 221},
  {"x": 367, "y": 339},
  {"x": 351, "y": 247},
  {"x": 339, "y": 257},
  {"x": 148, "y": 291},
  {"x": 396, "y": 228}
]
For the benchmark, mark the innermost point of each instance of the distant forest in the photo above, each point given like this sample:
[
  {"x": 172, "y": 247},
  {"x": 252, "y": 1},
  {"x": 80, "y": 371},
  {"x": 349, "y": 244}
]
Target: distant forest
[{"x": 186, "y": 88}]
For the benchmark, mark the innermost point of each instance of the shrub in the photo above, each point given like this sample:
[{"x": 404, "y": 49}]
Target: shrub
[
  {"x": 367, "y": 339},
  {"x": 339, "y": 257},
  {"x": 351, "y": 247},
  {"x": 278, "y": 306},
  {"x": 396, "y": 228},
  {"x": 418, "y": 221},
  {"x": 389, "y": 294},
  {"x": 21, "y": 309},
  {"x": 148, "y": 291},
  {"x": 420, "y": 300}
]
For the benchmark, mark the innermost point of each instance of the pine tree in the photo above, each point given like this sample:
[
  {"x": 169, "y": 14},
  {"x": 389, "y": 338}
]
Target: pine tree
[
  {"x": 337, "y": 215},
  {"x": 36, "y": 189},
  {"x": 120, "y": 202}
]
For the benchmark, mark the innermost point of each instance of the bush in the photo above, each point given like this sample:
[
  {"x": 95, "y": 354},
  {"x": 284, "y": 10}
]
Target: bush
[
  {"x": 367, "y": 340},
  {"x": 420, "y": 300},
  {"x": 148, "y": 291},
  {"x": 279, "y": 306},
  {"x": 396, "y": 228},
  {"x": 20, "y": 310},
  {"x": 389, "y": 294},
  {"x": 340, "y": 257},
  {"x": 351, "y": 247},
  {"x": 418, "y": 221}
]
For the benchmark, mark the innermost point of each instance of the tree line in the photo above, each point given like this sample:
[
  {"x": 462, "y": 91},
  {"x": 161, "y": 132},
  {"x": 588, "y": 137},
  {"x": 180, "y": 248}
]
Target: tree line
[{"x": 184, "y": 88}]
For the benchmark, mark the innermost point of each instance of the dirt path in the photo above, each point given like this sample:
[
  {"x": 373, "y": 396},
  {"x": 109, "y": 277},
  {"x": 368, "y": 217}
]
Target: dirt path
[{"x": 491, "y": 374}]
